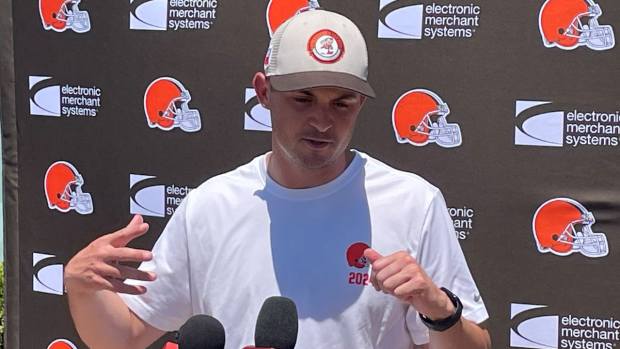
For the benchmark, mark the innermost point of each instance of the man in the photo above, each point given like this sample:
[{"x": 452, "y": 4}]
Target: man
[{"x": 299, "y": 222}]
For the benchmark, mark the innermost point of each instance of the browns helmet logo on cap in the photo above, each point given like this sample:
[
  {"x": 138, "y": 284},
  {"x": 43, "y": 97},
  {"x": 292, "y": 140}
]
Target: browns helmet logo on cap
[
  {"x": 563, "y": 226},
  {"x": 166, "y": 106},
  {"x": 63, "y": 189},
  {"x": 326, "y": 46},
  {"x": 355, "y": 255},
  {"x": 568, "y": 24},
  {"x": 419, "y": 118}
]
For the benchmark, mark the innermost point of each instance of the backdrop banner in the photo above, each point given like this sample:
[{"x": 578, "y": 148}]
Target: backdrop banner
[{"x": 512, "y": 108}]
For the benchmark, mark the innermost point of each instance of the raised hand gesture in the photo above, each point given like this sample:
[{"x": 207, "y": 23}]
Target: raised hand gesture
[{"x": 98, "y": 266}]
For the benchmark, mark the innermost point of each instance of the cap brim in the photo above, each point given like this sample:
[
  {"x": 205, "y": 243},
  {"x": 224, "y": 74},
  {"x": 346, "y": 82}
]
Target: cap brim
[{"x": 303, "y": 80}]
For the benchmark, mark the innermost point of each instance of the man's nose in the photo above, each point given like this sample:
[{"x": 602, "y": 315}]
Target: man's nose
[{"x": 321, "y": 119}]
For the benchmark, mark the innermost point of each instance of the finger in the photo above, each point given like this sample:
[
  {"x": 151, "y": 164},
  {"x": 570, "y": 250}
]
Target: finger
[
  {"x": 417, "y": 285},
  {"x": 123, "y": 272},
  {"x": 395, "y": 281},
  {"x": 386, "y": 260},
  {"x": 388, "y": 271},
  {"x": 108, "y": 271},
  {"x": 136, "y": 220},
  {"x": 101, "y": 283},
  {"x": 121, "y": 287},
  {"x": 134, "y": 229},
  {"x": 127, "y": 272},
  {"x": 373, "y": 280},
  {"x": 127, "y": 254},
  {"x": 408, "y": 290},
  {"x": 372, "y": 255}
]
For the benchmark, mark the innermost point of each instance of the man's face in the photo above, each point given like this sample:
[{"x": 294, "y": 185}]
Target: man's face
[{"x": 313, "y": 127}]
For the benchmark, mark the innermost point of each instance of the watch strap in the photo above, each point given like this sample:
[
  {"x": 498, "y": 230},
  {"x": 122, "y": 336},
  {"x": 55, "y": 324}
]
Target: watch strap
[{"x": 444, "y": 324}]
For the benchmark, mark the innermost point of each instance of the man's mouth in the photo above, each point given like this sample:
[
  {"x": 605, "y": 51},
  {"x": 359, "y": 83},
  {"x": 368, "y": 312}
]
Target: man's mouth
[{"x": 317, "y": 143}]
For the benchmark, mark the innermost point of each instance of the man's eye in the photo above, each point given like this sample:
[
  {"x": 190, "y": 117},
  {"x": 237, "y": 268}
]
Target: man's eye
[
  {"x": 341, "y": 105},
  {"x": 303, "y": 100}
]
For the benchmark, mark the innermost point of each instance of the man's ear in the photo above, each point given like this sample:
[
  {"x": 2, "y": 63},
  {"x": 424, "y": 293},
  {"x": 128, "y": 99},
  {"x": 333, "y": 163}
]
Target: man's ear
[
  {"x": 261, "y": 86},
  {"x": 363, "y": 100}
]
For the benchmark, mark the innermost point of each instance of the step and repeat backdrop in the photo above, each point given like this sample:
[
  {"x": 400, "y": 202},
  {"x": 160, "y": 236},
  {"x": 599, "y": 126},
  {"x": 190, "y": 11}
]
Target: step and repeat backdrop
[{"x": 512, "y": 108}]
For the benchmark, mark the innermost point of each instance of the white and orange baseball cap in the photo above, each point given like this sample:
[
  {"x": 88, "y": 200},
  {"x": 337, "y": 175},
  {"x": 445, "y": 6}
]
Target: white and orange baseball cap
[{"x": 318, "y": 48}]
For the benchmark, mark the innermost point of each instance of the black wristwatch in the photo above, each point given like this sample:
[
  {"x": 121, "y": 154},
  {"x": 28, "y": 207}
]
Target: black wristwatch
[{"x": 444, "y": 324}]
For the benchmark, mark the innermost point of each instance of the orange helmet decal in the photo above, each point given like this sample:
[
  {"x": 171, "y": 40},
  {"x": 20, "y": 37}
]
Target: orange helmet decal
[
  {"x": 63, "y": 189},
  {"x": 60, "y": 15},
  {"x": 568, "y": 24},
  {"x": 419, "y": 118},
  {"x": 166, "y": 106},
  {"x": 279, "y": 11},
  {"x": 563, "y": 226},
  {"x": 53, "y": 14},
  {"x": 61, "y": 344}
]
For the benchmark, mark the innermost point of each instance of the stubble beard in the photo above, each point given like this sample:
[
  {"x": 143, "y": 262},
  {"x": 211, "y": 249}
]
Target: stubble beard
[{"x": 311, "y": 160}]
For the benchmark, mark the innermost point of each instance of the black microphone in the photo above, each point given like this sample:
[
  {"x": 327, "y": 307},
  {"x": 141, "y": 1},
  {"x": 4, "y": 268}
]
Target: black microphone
[
  {"x": 202, "y": 332},
  {"x": 277, "y": 324}
]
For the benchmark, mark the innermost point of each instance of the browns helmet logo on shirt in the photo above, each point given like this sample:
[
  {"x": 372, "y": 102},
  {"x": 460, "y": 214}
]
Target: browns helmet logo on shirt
[
  {"x": 568, "y": 24},
  {"x": 166, "y": 106},
  {"x": 357, "y": 260},
  {"x": 60, "y": 15},
  {"x": 279, "y": 11},
  {"x": 63, "y": 189},
  {"x": 419, "y": 118},
  {"x": 563, "y": 226},
  {"x": 355, "y": 255}
]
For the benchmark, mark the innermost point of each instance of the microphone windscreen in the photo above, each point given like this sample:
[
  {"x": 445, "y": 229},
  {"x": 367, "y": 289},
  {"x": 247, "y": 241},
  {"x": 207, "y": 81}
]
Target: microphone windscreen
[
  {"x": 202, "y": 332},
  {"x": 277, "y": 324}
]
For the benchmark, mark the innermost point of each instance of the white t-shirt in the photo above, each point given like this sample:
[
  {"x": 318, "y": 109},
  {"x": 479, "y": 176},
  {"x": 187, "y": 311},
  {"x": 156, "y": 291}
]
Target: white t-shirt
[{"x": 240, "y": 238}]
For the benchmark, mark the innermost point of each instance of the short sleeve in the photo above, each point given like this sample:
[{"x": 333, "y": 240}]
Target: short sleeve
[
  {"x": 167, "y": 304},
  {"x": 441, "y": 257}
]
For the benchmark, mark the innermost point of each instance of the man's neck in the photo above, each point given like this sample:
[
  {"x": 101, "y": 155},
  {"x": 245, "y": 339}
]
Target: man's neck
[{"x": 294, "y": 176}]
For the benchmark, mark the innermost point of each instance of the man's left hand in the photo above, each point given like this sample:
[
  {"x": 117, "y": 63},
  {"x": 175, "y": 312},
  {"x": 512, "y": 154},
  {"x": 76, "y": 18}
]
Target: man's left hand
[{"x": 400, "y": 275}]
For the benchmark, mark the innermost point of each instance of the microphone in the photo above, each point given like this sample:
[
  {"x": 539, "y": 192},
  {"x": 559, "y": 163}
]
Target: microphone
[
  {"x": 202, "y": 332},
  {"x": 170, "y": 345},
  {"x": 277, "y": 324}
]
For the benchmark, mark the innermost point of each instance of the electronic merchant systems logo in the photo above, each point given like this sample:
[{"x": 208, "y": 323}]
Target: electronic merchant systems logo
[
  {"x": 255, "y": 116},
  {"x": 278, "y": 11},
  {"x": 547, "y": 124},
  {"x": 61, "y": 344},
  {"x": 419, "y": 118},
  {"x": 50, "y": 97},
  {"x": 568, "y": 24},
  {"x": 536, "y": 326},
  {"x": 166, "y": 106},
  {"x": 47, "y": 274},
  {"x": 410, "y": 19},
  {"x": 563, "y": 226},
  {"x": 463, "y": 220},
  {"x": 150, "y": 197},
  {"x": 60, "y": 15},
  {"x": 172, "y": 14}
]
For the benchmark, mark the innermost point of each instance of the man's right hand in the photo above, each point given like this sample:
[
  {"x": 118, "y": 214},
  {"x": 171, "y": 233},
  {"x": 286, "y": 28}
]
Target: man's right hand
[{"x": 98, "y": 266}]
